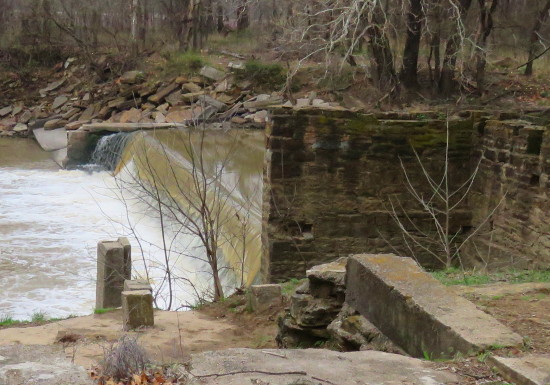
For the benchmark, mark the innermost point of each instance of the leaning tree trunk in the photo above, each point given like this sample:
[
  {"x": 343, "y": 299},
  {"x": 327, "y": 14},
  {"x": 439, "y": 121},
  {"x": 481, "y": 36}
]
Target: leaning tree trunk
[
  {"x": 409, "y": 72},
  {"x": 446, "y": 81},
  {"x": 535, "y": 38},
  {"x": 485, "y": 27}
]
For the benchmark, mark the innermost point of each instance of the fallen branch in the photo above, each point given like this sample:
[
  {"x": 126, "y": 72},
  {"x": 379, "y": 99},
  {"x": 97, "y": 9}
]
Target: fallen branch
[
  {"x": 533, "y": 59},
  {"x": 301, "y": 373}
]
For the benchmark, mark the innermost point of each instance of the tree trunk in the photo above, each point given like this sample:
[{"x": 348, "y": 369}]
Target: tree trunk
[
  {"x": 446, "y": 81},
  {"x": 409, "y": 72},
  {"x": 534, "y": 40},
  {"x": 386, "y": 78},
  {"x": 485, "y": 27},
  {"x": 243, "y": 20}
]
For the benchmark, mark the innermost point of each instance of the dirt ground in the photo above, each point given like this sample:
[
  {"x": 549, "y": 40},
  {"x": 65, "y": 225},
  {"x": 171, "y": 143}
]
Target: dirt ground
[
  {"x": 523, "y": 308},
  {"x": 174, "y": 337}
]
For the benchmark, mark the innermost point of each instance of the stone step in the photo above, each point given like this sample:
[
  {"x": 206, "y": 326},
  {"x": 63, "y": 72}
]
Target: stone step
[
  {"x": 532, "y": 369},
  {"x": 417, "y": 312}
]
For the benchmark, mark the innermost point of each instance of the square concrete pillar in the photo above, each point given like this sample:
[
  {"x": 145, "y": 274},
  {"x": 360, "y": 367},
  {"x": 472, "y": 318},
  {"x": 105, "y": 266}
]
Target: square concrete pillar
[
  {"x": 264, "y": 297},
  {"x": 137, "y": 309},
  {"x": 113, "y": 267}
]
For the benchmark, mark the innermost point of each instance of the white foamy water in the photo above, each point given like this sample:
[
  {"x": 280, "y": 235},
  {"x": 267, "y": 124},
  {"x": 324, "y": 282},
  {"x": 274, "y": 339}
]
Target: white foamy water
[{"x": 50, "y": 223}]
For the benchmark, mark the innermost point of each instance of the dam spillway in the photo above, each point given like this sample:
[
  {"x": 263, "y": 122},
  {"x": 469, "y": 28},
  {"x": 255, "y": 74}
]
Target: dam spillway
[{"x": 52, "y": 219}]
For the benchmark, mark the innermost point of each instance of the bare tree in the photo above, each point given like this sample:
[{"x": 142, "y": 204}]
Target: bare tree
[
  {"x": 534, "y": 40},
  {"x": 439, "y": 202},
  {"x": 184, "y": 179}
]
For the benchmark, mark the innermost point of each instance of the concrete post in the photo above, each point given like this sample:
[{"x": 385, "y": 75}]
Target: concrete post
[
  {"x": 137, "y": 309},
  {"x": 114, "y": 265}
]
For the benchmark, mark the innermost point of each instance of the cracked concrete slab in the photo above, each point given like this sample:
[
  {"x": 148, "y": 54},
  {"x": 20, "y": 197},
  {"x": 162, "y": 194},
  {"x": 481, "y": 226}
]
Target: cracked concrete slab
[
  {"x": 38, "y": 365},
  {"x": 313, "y": 366}
]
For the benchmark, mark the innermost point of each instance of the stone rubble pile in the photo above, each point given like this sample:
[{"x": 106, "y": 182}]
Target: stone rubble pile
[
  {"x": 318, "y": 315},
  {"x": 213, "y": 95}
]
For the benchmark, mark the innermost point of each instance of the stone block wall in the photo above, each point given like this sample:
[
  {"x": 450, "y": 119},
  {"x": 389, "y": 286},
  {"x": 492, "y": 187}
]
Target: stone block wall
[
  {"x": 514, "y": 179},
  {"x": 330, "y": 174}
]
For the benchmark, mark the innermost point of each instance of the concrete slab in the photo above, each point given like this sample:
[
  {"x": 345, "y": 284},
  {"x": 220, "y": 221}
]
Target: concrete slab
[
  {"x": 417, "y": 312},
  {"x": 51, "y": 140},
  {"x": 313, "y": 366},
  {"x": 532, "y": 369},
  {"x": 38, "y": 365}
]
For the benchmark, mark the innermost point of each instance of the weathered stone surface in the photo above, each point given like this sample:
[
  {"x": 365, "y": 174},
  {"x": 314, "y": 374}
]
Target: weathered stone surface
[
  {"x": 90, "y": 112},
  {"x": 137, "y": 284},
  {"x": 39, "y": 365},
  {"x": 208, "y": 101},
  {"x": 351, "y": 331},
  {"x": 113, "y": 267},
  {"x": 5, "y": 111},
  {"x": 175, "y": 98},
  {"x": 20, "y": 127},
  {"x": 162, "y": 93},
  {"x": 25, "y": 117},
  {"x": 263, "y": 102},
  {"x": 292, "y": 335},
  {"x": 54, "y": 123},
  {"x": 51, "y": 140},
  {"x": 192, "y": 97},
  {"x": 309, "y": 311},
  {"x": 416, "y": 311},
  {"x": 192, "y": 88},
  {"x": 328, "y": 280},
  {"x": 59, "y": 101},
  {"x": 132, "y": 115},
  {"x": 51, "y": 87},
  {"x": 132, "y": 77},
  {"x": 137, "y": 309},
  {"x": 212, "y": 73},
  {"x": 265, "y": 297},
  {"x": 179, "y": 115},
  {"x": 531, "y": 369},
  {"x": 366, "y": 368}
]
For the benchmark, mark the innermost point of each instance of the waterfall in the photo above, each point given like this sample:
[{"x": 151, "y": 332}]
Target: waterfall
[
  {"x": 166, "y": 165},
  {"x": 109, "y": 149}
]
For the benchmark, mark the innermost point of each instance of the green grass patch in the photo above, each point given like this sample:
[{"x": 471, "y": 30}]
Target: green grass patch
[
  {"x": 39, "y": 316},
  {"x": 186, "y": 63},
  {"x": 289, "y": 287},
  {"x": 266, "y": 76},
  {"x": 7, "y": 320},
  {"x": 455, "y": 276},
  {"x": 104, "y": 310}
]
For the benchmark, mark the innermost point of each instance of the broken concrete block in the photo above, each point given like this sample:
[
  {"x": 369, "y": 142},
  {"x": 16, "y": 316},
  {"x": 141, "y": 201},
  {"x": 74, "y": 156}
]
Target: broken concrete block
[
  {"x": 531, "y": 369},
  {"x": 264, "y": 297},
  {"x": 137, "y": 309},
  {"x": 113, "y": 267},
  {"x": 417, "y": 312}
]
